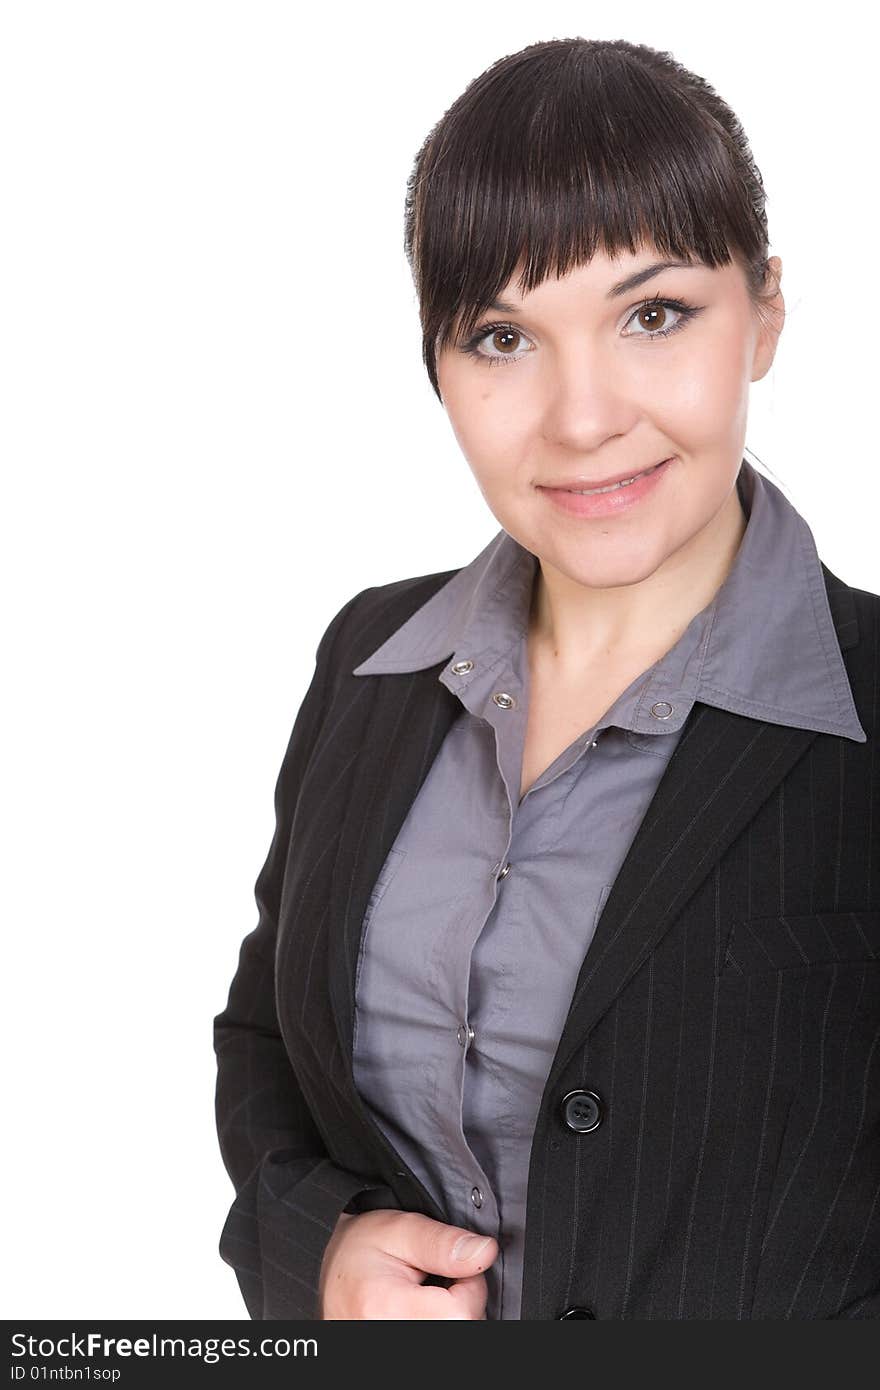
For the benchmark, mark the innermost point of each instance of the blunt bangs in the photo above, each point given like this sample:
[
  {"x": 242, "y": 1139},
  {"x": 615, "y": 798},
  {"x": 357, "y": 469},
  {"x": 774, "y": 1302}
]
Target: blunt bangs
[{"x": 564, "y": 148}]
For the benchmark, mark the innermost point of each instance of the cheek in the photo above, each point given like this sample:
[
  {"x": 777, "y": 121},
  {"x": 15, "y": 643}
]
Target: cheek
[
  {"x": 709, "y": 389},
  {"x": 489, "y": 423},
  {"x": 706, "y": 399}
]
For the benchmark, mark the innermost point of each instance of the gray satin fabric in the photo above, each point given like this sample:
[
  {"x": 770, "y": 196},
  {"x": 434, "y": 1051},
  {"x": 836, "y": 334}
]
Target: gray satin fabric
[{"x": 448, "y": 946}]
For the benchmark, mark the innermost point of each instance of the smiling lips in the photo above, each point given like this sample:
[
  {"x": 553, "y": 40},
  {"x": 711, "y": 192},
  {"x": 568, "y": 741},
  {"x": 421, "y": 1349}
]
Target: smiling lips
[
  {"x": 615, "y": 499},
  {"x": 605, "y": 485}
]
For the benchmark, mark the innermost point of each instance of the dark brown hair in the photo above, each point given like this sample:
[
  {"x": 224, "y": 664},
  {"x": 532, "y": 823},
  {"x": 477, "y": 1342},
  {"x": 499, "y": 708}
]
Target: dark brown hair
[{"x": 564, "y": 146}]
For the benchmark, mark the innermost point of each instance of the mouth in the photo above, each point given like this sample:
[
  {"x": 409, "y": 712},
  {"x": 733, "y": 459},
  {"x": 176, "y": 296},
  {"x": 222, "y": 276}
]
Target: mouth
[
  {"x": 611, "y": 498},
  {"x": 610, "y": 485}
]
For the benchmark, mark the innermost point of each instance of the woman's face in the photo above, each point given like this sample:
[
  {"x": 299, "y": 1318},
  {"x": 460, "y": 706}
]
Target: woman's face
[{"x": 572, "y": 384}]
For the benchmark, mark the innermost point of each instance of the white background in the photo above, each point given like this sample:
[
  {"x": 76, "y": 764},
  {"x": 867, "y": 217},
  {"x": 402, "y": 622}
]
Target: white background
[{"x": 216, "y": 429}]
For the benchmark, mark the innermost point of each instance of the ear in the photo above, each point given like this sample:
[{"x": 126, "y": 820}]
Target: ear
[{"x": 771, "y": 319}]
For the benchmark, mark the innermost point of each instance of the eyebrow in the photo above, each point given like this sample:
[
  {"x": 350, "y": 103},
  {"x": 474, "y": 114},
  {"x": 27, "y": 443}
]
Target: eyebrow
[{"x": 631, "y": 282}]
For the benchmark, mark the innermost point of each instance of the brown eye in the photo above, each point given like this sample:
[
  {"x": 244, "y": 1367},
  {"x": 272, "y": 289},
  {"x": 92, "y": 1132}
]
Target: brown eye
[
  {"x": 652, "y": 316},
  {"x": 496, "y": 343},
  {"x": 504, "y": 339}
]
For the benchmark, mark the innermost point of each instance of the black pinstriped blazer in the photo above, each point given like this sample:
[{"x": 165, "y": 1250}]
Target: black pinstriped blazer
[{"x": 727, "y": 1012}]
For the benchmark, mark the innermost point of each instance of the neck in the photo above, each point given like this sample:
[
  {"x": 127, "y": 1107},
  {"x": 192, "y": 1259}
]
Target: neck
[{"x": 573, "y": 625}]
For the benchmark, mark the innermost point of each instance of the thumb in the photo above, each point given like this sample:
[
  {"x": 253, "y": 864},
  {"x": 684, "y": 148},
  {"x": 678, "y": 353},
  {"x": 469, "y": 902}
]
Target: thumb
[
  {"x": 457, "y": 1252},
  {"x": 473, "y": 1249},
  {"x": 438, "y": 1248}
]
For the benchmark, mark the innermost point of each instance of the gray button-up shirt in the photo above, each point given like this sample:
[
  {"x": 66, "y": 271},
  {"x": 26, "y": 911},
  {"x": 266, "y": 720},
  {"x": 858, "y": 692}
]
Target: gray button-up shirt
[{"x": 470, "y": 944}]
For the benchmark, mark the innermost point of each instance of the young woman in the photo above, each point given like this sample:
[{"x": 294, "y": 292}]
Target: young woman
[{"x": 563, "y": 999}]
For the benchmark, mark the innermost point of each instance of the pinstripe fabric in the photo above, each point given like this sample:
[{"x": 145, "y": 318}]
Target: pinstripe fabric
[{"x": 727, "y": 1012}]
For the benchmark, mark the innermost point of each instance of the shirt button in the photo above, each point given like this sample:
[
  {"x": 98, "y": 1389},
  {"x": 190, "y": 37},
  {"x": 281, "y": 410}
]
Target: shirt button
[
  {"x": 662, "y": 709},
  {"x": 503, "y": 700},
  {"x": 461, "y": 668},
  {"x": 576, "y": 1312},
  {"x": 465, "y": 1035},
  {"x": 476, "y": 1197},
  {"x": 505, "y": 871}
]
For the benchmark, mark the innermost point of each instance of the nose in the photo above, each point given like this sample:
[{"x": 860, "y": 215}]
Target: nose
[{"x": 584, "y": 399}]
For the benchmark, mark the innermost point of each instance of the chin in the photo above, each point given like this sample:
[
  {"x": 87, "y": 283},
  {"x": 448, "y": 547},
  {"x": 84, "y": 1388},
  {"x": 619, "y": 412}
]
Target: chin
[
  {"x": 610, "y": 576},
  {"x": 601, "y": 559}
]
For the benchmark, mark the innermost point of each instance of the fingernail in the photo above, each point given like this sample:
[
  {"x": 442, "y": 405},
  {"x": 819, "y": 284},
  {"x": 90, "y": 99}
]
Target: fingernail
[{"x": 468, "y": 1247}]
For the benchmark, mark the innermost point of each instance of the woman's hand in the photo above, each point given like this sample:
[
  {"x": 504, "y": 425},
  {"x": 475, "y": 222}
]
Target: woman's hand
[{"x": 375, "y": 1262}]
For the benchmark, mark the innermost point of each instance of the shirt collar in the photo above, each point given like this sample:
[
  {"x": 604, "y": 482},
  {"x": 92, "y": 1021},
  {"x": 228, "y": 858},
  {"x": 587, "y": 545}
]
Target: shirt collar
[{"x": 765, "y": 646}]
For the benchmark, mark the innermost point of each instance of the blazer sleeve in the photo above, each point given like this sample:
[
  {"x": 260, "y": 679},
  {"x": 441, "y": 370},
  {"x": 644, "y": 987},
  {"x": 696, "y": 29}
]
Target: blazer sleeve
[{"x": 289, "y": 1194}]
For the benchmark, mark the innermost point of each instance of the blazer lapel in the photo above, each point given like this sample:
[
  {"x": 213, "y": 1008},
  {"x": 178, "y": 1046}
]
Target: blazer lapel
[
  {"x": 410, "y": 716},
  {"x": 725, "y": 766},
  {"x": 723, "y": 769}
]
